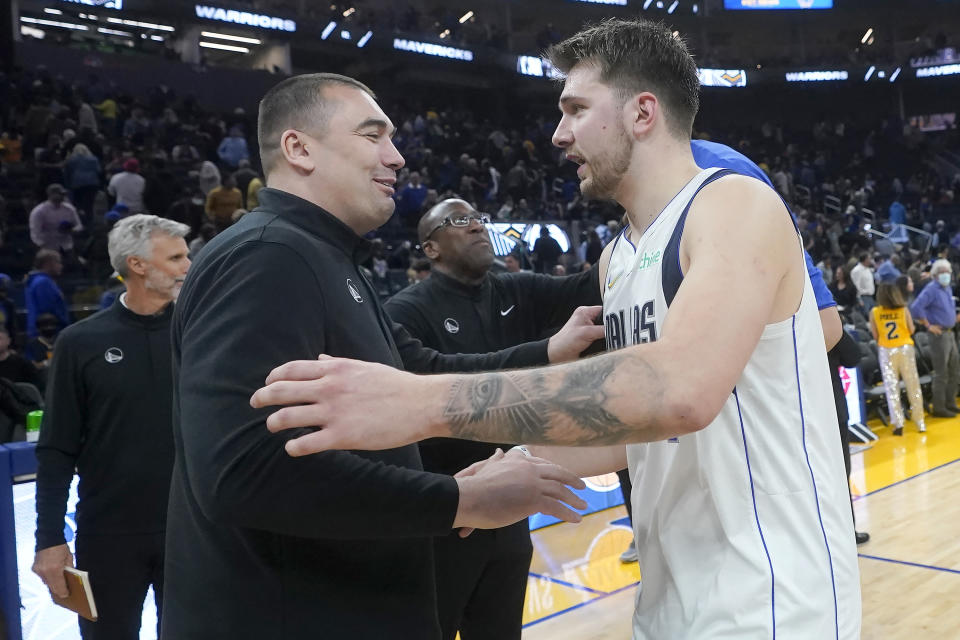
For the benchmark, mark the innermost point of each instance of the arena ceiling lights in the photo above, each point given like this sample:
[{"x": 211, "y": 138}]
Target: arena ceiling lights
[
  {"x": 114, "y": 32},
  {"x": 227, "y": 36},
  {"x": 104, "y": 4},
  {"x": 621, "y": 3},
  {"x": 224, "y": 47},
  {"x": 55, "y": 23},
  {"x": 142, "y": 25}
]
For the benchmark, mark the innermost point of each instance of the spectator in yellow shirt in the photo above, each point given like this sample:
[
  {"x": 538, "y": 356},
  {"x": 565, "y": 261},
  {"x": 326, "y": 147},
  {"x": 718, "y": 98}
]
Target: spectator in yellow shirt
[
  {"x": 222, "y": 201},
  {"x": 253, "y": 201},
  {"x": 108, "y": 115},
  {"x": 892, "y": 327}
]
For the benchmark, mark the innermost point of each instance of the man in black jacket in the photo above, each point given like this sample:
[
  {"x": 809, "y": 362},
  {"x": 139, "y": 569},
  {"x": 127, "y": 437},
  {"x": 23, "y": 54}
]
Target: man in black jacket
[
  {"x": 265, "y": 545},
  {"x": 108, "y": 414},
  {"x": 463, "y": 308}
]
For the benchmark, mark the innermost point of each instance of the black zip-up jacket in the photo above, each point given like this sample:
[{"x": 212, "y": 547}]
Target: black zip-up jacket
[
  {"x": 261, "y": 544},
  {"x": 503, "y": 311},
  {"x": 108, "y": 413}
]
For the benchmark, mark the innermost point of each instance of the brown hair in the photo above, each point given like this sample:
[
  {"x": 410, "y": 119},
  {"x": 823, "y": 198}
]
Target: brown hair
[
  {"x": 890, "y": 296},
  {"x": 634, "y": 56}
]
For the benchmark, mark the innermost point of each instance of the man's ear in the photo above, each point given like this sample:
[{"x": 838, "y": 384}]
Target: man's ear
[
  {"x": 641, "y": 112},
  {"x": 299, "y": 150},
  {"x": 430, "y": 250},
  {"x": 137, "y": 265}
]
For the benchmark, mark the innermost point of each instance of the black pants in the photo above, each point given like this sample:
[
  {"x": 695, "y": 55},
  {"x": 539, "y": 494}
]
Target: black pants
[
  {"x": 121, "y": 568},
  {"x": 482, "y": 581},
  {"x": 83, "y": 199},
  {"x": 626, "y": 489}
]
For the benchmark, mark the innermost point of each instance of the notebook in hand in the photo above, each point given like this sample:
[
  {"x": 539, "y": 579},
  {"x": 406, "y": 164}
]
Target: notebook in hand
[{"x": 80, "y": 598}]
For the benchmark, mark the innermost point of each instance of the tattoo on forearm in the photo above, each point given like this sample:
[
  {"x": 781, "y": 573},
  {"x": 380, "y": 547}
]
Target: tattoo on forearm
[{"x": 571, "y": 407}]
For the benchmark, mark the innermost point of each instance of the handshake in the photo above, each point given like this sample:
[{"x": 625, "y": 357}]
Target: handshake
[{"x": 507, "y": 487}]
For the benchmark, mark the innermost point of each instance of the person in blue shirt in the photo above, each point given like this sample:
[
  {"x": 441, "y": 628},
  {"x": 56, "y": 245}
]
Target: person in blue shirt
[
  {"x": 898, "y": 218},
  {"x": 889, "y": 270},
  {"x": 898, "y": 212},
  {"x": 935, "y": 309},
  {"x": 713, "y": 154},
  {"x": 233, "y": 148},
  {"x": 43, "y": 295}
]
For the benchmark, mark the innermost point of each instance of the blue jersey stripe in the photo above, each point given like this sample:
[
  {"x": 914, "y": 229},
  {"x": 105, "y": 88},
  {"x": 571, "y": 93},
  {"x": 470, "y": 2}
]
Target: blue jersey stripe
[
  {"x": 672, "y": 273},
  {"x": 813, "y": 480},
  {"x": 756, "y": 515}
]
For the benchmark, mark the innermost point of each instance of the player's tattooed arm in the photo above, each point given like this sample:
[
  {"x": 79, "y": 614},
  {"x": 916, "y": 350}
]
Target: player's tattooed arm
[{"x": 576, "y": 404}]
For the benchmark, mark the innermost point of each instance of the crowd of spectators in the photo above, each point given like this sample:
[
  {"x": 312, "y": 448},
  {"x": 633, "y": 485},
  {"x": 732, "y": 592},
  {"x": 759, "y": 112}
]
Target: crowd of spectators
[{"x": 76, "y": 156}]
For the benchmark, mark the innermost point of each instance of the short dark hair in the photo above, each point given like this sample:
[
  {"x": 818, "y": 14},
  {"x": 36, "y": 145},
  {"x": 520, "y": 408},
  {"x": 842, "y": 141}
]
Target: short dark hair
[
  {"x": 297, "y": 103},
  {"x": 638, "y": 55}
]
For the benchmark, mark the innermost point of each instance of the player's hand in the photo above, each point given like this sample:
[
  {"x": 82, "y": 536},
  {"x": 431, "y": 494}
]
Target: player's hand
[
  {"x": 353, "y": 404},
  {"x": 576, "y": 335},
  {"x": 49, "y": 563},
  {"x": 935, "y": 330}
]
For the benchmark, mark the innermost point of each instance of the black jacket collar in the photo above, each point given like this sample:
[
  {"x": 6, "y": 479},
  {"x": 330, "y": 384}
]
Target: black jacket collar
[
  {"x": 455, "y": 286},
  {"x": 158, "y": 320},
  {"x": 314, "y": 220}
]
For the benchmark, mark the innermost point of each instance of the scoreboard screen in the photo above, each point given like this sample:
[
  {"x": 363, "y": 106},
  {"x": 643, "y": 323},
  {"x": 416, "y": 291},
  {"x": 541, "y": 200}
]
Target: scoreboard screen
[{"x": 777, "y": 4}]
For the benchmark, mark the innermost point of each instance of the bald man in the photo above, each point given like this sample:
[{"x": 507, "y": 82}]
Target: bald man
[{"x": 463, "y": 308}]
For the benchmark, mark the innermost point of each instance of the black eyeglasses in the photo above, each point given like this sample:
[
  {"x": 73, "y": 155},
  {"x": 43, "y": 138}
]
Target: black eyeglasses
[{"x": 459, "y": 221}]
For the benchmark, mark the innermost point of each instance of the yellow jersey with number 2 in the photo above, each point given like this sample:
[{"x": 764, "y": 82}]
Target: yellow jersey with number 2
[{"x": 892, "y": 329}]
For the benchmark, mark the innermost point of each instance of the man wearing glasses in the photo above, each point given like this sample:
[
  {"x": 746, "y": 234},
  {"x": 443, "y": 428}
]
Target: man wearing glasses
[{"x": 463, "y": 308}]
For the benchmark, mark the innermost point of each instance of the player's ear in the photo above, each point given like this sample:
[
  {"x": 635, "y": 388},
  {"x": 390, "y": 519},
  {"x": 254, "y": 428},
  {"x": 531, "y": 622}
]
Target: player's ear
[{"x": 641, "y": 112}]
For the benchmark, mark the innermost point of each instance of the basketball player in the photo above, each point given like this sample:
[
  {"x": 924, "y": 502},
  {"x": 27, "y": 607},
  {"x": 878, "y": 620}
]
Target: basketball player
[{"x": 715, "y": 380}]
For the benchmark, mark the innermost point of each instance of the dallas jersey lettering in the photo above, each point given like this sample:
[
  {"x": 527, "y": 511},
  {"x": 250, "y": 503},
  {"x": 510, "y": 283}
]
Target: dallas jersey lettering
[
  {"x": 743, "y": 528},
  {"x": 892, "y": 328}
]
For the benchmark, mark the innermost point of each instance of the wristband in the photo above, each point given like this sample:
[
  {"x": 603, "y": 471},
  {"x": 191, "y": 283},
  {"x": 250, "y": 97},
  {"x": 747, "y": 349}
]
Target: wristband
[{"x": 522, "y": 449}]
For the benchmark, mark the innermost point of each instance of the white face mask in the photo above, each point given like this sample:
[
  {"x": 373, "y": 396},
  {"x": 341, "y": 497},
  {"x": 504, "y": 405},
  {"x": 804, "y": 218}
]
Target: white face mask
[{"x": 944, "y": 279}]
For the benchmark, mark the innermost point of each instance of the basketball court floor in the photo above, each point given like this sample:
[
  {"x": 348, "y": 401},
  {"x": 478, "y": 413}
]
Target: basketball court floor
[{"x": 906, "y": 495}]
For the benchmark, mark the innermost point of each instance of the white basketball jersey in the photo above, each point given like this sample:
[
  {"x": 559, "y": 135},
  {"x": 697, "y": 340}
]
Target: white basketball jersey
[{"x": 743, "y": 528}]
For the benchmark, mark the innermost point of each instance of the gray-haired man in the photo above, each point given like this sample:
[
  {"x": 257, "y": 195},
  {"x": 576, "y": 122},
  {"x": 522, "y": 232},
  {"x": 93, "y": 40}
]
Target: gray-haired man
[{"x": 108, "y": 414}]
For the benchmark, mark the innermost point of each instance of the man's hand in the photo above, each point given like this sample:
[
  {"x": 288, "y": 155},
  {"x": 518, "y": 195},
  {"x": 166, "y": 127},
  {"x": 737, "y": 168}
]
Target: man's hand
[
  {"x": 354, "y": 404},
  {"x": 506, "y": 488},
  {"x": 576, "y": 335},
  {"x": 935, "y": 329},
  {"x": 49, "y": 563}
]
